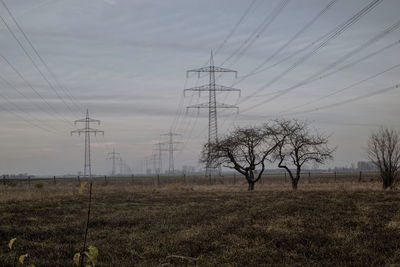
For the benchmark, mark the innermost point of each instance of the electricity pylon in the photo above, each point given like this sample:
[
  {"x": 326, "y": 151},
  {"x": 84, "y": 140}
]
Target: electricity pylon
[
  {"x": 121, "y": 166},
  {"x": 159, "y": 161},
  {"x": 171, "y": 148},
  {"x": 87, "y": 169},
  {"x": 113, "y": 156},
  {"x": 154, "y": 161},
  {"x": 212, "y": 104}
]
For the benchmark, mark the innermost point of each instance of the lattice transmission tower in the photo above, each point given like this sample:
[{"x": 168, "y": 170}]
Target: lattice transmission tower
[
  {"x": 212, "y": 88},
  {"x": 171, "y": 148},
  {"x": 87, "y": 169},
  {"x": 159, "y": 150},
  {"x": 113, "y": 156}
]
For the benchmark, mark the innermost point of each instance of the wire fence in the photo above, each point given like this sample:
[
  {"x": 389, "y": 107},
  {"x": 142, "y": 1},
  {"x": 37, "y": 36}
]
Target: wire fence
[{"x": 198, "y": 179}]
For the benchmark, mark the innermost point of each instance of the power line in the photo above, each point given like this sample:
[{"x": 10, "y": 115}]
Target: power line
[
  {"x": 222, "y": 44},
  {"x": 333, "y": 35},
  {"x": 344, "y": 67},
  {"x": 179, "y": 110},
  {"x": 36, "y": 66},
  {"x": 347, "y": 101},
  {"x": 316, "y": 76},
  {"x": 19, "y": 108},
  {"x": 64, "y": 89},
  {"x": 291, "y": 40},
  {"x": 344, "y": 89},
  {"x": 24, "y": 118},
  {"x": 36, "y": 92},
  {"x": 256, "y": 34}
]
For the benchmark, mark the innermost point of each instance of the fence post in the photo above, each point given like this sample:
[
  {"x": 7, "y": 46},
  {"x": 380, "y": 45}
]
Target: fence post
[
  {"x": 234, "y": 178},
  {"x": 158, "y": 179},
  {"x": 184, "y": 178},
  {"x": 334, "y": 177},
  {"x": 309, "y": 177},
  {"x": 4, "y": 180},
  {"x": 360, "y": 177},
  {"x": 209, "y": 176},
  {"x": 54, "y": 179},
  {"x": 29, "y": 180},
  {"x": 105, "y": 179},
  {"x": 79, "y": 180},
  {"x": 285, "y": 178}
]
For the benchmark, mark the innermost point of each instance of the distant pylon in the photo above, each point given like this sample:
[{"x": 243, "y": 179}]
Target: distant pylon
[
  {"x": 212, "y": 104},
  {"x": 159, "y": 161},
  {"x": 154, "y": 161},
  {"x": 87, "y": 169},
  {"x": 113, "y": 156},
  {"x": 171, "y": 148},
  {"x": 121, "y": 166}
]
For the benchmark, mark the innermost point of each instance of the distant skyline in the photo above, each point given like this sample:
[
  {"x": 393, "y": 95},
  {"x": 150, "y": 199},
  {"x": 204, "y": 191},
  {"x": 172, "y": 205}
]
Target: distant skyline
[{"x": 126, "y": 61}]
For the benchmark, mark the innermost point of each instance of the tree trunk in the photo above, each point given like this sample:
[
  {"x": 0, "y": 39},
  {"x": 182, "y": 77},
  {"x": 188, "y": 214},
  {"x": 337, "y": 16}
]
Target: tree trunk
[
  {"x": 387, "y": 183},
  {"x": 294, "y": 184},
  {"x": 295, "y": 181},
  {"x": 251, "y": 185}
]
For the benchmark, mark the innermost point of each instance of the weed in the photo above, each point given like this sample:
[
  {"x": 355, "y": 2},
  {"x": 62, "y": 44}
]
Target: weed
[{"x": 38, "y": 184}]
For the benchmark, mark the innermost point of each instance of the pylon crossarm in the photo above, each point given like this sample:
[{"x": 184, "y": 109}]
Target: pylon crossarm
[
  {"x": 93, "y": 130},
  {"x": 87, "y": 120},
  {"x": 75, "y": 132},
  {"x": 96, "y": 132},
  {"x": 170, "y": 134},
  {"x": 207, "y": 88},
  {"x": 202, "y": 105},
  {"x": 211, "y": 69},
  {"x": 207, "y": 105}
]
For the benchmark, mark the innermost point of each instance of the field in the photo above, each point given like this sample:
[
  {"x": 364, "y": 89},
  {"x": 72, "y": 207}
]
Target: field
[{"x": 323, "y": 224}]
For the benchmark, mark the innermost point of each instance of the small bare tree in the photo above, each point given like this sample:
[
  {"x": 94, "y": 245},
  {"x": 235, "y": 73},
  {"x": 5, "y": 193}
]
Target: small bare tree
[
  {"x": 298, "y": 145},
  {"x": 244, "y": 149},
  {"x": 384, "y": 152}
]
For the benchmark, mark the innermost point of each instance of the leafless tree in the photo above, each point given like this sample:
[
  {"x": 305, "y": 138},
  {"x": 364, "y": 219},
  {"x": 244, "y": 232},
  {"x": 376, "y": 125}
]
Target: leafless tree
[
  {"x": 298, "y": 144},
  {"x": 245, "y": 150},
  {"x": 384, "y": 152}
]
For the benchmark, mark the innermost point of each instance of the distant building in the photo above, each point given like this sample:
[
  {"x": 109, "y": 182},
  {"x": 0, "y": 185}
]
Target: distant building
[{"x": 366, "y": 166}]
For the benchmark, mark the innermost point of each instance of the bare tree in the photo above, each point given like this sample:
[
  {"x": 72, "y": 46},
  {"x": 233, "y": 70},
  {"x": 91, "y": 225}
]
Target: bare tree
[
  {"x": 298, "y": 145},
  {"x": 245, "y": 150},
  {"x": 384, "y": 152}
]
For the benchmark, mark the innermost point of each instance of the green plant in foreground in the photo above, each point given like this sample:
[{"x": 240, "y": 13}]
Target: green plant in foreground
[
  {"x": 91, "y": 254},
  {"x": 38, "y": 184},
  {"x": 23, "y": 259}
]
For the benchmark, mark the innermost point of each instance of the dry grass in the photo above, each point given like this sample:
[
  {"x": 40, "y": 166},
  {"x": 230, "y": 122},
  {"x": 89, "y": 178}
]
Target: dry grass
[
  {"x": 323, "y": 224},
  {"x": 30, "y": 192}
]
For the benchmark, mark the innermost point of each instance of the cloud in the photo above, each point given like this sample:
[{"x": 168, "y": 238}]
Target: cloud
[{"x": 126, "y": 60}]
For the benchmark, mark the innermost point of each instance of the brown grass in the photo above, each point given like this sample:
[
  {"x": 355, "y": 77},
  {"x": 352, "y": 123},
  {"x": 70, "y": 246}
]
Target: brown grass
[
  {"x": 30, "y": 192},
  {"x": 323, "y": 224}
]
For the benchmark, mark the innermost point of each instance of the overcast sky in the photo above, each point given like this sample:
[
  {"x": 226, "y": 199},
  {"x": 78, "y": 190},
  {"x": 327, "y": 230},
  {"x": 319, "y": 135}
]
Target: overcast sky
[{"x": 126, "y": 61}]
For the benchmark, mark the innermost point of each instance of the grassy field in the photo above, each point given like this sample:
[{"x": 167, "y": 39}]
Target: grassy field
[{"x": 341, "y": 224}]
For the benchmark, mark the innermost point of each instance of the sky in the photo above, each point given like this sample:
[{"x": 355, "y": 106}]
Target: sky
[{"x": 126, "y": 61}]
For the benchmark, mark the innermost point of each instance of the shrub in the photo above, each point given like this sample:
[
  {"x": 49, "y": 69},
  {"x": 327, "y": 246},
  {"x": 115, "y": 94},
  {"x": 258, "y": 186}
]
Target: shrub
[{"x": 38, "y": 184}]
